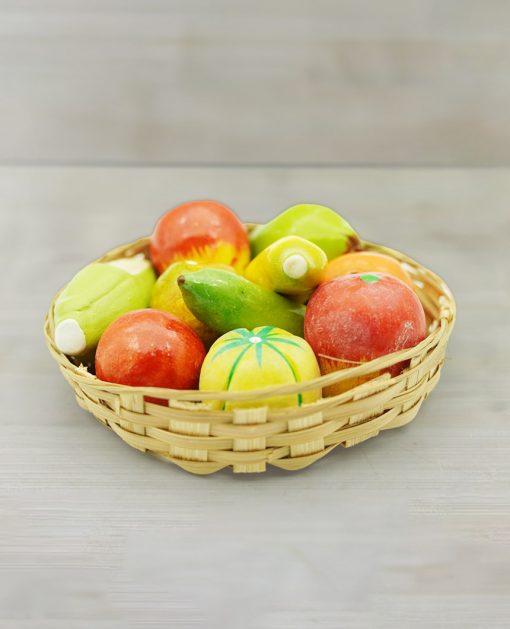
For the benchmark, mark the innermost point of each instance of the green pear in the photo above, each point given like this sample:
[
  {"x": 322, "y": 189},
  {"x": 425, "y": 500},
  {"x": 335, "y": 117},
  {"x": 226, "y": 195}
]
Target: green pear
[
  {"x": 96, "y": 296},
  {"x": 316, "y": 223}
]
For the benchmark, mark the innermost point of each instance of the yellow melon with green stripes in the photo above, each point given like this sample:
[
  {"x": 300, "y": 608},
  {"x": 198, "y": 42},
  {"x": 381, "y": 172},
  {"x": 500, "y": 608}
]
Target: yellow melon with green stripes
[{"x": 243, "y": 359}]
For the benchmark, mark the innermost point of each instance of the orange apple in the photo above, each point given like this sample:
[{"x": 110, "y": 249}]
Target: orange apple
[
  {"x": 203, "y": 231},
  {"x": 365, "y": 262}
]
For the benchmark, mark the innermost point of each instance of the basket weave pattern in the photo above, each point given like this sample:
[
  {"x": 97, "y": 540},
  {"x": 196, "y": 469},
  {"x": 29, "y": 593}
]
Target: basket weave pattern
[{"x": 203, "y": 441}]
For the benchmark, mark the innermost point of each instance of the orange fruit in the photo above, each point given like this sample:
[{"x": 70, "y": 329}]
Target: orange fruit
[{"x": 365, "y": 262}]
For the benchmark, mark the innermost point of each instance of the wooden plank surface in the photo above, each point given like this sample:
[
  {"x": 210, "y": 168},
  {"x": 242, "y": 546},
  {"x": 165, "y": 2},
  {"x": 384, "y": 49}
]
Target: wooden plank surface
[
  {"x": 284, "y": 82},
  {"x": 411, "y": 529}
]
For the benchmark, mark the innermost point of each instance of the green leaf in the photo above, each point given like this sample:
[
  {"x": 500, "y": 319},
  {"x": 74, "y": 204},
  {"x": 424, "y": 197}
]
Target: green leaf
[
  {"x": 230, "y": 338},
  {"x": 289, "y": 364},
  {"x": 287, "y": 341},
  {"x": 263, "y": 332},
  {"x": 369, "y": 278},
  {"x": 235, "y": 363},
  {"x": 244, "y": 333},
  {"x": 258, "y": 353},
  {"x": 232, "y": 345}
]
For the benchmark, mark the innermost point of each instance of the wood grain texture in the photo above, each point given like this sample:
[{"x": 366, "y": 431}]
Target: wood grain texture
[
  {"x": 283, "y": 82},
  {"x": 411, "y": 529}
]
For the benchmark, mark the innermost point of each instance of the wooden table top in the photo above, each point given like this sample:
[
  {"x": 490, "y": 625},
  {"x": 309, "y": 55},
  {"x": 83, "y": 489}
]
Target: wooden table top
[{"x": 411, "y": 529}]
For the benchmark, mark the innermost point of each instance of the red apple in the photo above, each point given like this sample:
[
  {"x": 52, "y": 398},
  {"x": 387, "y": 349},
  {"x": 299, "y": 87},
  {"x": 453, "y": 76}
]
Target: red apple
[
  {"x": 204, "y": 231},
  {"x": 355, "y": 318},
  {"x": 150, "y": 348}
]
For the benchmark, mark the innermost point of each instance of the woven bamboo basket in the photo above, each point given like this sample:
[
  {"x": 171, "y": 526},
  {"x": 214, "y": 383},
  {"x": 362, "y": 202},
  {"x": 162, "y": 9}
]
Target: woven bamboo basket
[{"x": 202, "y": 441}]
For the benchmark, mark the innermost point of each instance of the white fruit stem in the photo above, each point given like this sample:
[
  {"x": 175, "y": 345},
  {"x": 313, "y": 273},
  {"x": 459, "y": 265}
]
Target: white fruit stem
[
  {"x": 295, "y": 266},
  {"x": 70, "y": 338}
]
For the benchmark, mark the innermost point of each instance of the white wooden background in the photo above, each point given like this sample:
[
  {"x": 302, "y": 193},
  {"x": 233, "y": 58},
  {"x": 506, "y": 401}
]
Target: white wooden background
[
  {"x": 408, "y": 530},
  {"x": 271, "y": 81}
]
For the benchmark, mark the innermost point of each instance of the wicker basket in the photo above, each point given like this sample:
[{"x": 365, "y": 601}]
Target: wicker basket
[{"x": 202, "y": 441}]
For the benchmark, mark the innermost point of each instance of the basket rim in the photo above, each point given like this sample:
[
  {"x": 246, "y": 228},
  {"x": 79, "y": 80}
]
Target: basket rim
[{"x": 442, "y": 327}]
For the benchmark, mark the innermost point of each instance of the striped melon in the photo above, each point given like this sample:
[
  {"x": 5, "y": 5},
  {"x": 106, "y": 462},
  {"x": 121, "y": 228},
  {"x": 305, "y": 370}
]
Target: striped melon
[{"x": 243, "y": 359}]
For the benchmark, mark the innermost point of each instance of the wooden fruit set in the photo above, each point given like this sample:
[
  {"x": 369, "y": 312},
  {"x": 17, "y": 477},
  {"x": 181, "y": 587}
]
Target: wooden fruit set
[{"x": 206, "y": 393}]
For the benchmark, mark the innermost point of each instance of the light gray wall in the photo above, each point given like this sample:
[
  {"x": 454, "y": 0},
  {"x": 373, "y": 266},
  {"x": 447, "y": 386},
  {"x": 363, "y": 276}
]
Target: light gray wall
[{"x": 271, "y": 81}]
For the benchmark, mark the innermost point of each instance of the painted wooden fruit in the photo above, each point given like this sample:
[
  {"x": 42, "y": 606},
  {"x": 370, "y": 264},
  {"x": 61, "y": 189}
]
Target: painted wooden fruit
[
  {"x": 356, "y": 318},
  {"x": 167, "y": 296},
  {"x": 96, "y": 296},
  {"x": 150, "y": 348},
  {"x": 226, "y": 301},
  {"x": 365, "y": 262},
  {"x": 204, "y": 231},
  {"x": 242, "y": 360},
  {"x": 291, "y": 265},
  {"x": 317, "y": 223}
]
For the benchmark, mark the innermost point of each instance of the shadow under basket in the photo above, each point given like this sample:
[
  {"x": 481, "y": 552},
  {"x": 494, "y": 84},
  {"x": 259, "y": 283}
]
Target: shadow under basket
[{"x": 202, "y": 441}]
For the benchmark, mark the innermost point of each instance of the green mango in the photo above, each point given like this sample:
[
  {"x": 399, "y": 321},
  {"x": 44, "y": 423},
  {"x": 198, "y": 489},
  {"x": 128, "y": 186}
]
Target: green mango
[
  {"x": 96, "y": 296},
  {"x": 317, "y": 223},
  {"x": 225, "y": 301}
]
